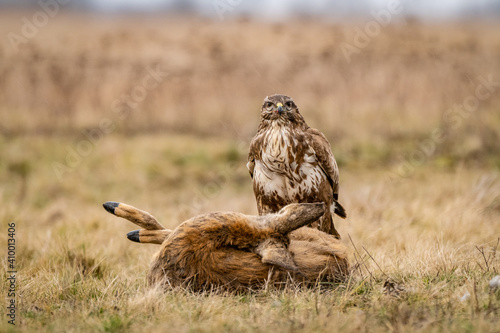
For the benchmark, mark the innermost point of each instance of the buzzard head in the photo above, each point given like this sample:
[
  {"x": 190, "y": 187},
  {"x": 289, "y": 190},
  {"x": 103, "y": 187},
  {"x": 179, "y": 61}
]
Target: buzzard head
[{"x": 282, "y": 109}]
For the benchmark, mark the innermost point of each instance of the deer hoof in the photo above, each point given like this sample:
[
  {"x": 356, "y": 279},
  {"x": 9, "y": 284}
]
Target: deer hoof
[
  {"x": 134, "y": 236},
  {"x": 110, "y": 206}
]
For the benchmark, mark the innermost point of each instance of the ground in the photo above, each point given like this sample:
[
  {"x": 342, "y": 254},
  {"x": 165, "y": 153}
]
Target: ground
[{"x": 423, "y": 224}]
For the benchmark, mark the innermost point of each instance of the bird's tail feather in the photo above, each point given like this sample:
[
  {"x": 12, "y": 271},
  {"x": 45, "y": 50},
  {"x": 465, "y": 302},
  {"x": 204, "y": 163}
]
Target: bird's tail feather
[{"x": 336, "y": 208}]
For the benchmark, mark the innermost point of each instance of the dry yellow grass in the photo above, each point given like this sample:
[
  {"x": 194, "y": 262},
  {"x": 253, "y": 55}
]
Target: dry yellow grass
[
  {"x": 431, "y": 232},
  {"x": 78, "y": 272}
]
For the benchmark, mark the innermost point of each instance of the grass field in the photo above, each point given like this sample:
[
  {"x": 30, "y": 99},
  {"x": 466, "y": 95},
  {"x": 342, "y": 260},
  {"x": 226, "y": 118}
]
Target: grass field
[{"x": 423, "y": 225}]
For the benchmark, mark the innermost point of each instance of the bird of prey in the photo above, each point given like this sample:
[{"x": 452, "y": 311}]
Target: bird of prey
[{"x": 291, "y": 162}]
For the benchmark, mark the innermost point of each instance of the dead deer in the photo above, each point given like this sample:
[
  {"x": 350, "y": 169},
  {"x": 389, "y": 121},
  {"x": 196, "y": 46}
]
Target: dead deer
[{"x": 233, "y": 251}]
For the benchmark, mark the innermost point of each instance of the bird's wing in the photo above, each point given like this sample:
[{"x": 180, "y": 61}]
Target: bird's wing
[
  {"x": 254, "y": 152},
  {"x": 326, "y": 161}
]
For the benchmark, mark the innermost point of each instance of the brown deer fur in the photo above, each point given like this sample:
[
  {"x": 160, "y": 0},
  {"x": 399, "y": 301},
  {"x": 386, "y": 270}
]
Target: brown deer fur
[{"x": 234, "y": 251}]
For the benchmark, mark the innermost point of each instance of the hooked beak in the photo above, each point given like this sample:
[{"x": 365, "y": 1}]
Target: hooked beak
[{"x": 280, "y": 108}]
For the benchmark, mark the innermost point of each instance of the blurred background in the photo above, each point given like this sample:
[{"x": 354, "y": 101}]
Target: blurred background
[
  {"x": 338, "y": 9},
  {"x": 396, "y": 86},
  {"x": 167, "y": 94},
  {"x": 156, "y": 96},
  {"x": 368, "y": 71}
]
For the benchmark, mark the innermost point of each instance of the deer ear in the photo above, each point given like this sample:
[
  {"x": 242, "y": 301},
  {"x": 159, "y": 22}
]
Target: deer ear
[
  {"x": 276, "y": 253},
  {"x": 294, "y": 216}
]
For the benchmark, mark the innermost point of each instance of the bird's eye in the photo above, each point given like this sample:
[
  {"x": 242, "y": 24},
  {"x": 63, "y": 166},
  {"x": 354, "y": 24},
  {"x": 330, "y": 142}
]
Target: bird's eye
[
  {"x": 289, "y": 105},
  {"x": 269, "y": 106}
]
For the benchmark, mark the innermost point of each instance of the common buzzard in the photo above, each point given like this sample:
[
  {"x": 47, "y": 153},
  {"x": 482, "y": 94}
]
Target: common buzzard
[{"x": 292, "y": 163}]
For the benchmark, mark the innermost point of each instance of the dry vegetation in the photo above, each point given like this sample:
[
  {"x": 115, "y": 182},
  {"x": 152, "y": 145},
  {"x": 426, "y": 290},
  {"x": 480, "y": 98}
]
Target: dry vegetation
[{"x": 428, "y": 231}]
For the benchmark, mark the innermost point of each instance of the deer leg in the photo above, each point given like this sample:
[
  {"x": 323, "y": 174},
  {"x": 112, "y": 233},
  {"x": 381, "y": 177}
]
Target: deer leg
[
  {"x": 149, "y": 236},
  {"x": 139, "y": 217}
]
